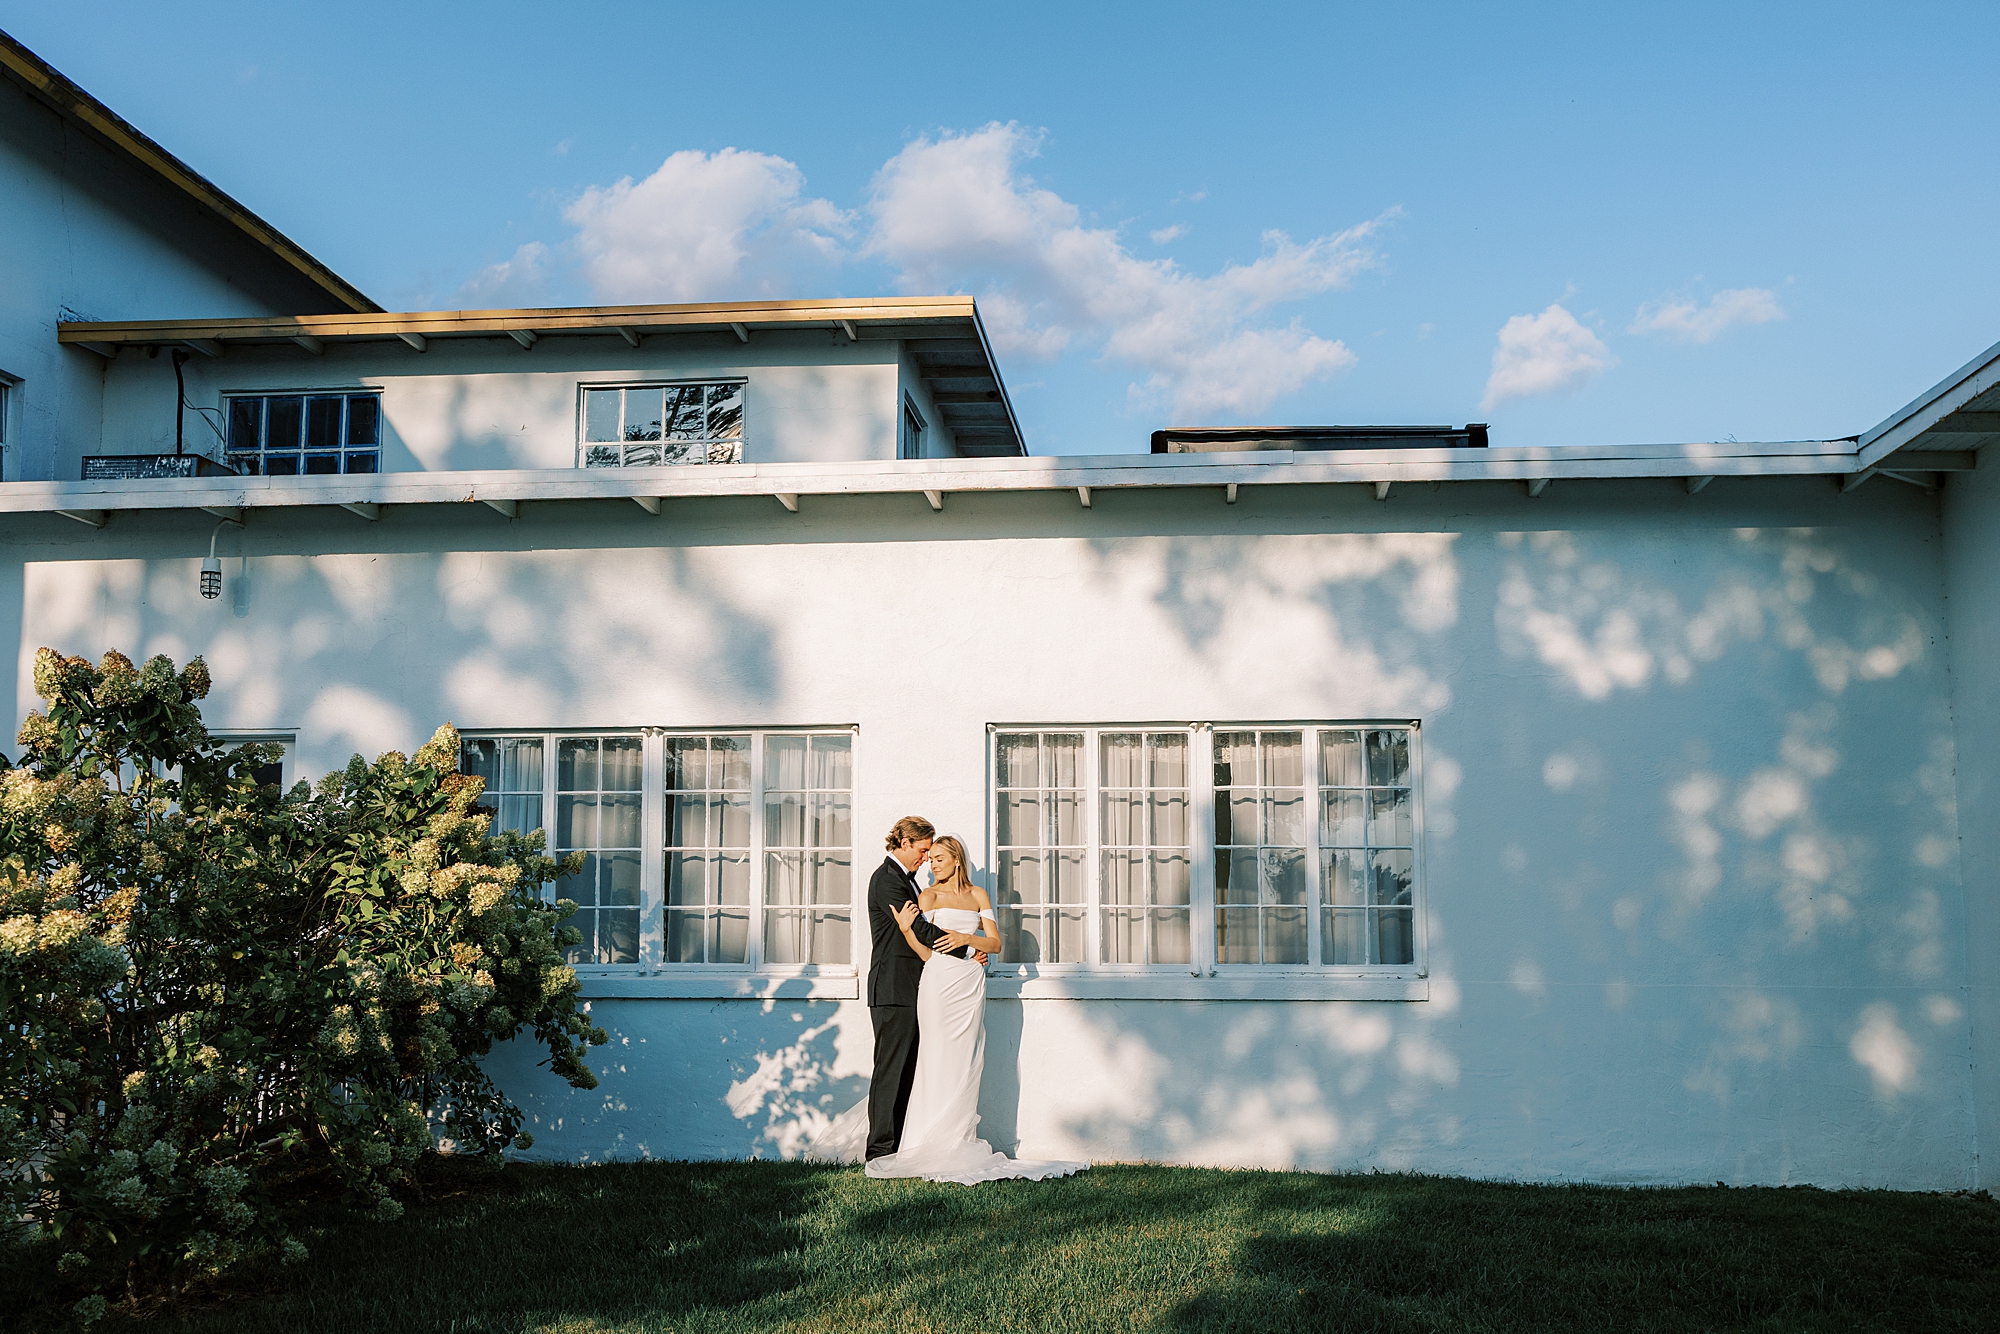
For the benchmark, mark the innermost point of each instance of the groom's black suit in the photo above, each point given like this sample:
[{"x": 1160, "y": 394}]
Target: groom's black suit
[{"x": 893, "y": 975}]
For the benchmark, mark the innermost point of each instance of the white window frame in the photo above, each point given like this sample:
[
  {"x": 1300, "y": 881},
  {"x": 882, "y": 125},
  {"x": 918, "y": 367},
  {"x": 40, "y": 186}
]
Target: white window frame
[
  {"x": 652, "y": 974},
  {"x": 1203, "y": 977},
  {"x": 229, "y": 397},
  {"x": 585, "y": 387}
]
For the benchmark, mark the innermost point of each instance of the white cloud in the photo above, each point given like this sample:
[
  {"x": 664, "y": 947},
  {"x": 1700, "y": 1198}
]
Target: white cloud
[
  {"x": 511, "y": 284},
  {"x": 955, "y": 213},
  {"x": 704, "y": 227},
  {"x": 1549, "y": 353},
  {"x": 1688, "y": 323},
  {"x": 1165, "y": 234}
]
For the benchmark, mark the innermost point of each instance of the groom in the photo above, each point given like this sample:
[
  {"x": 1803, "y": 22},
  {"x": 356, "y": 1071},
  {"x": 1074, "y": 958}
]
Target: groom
[{"x": 893, "y": 976}]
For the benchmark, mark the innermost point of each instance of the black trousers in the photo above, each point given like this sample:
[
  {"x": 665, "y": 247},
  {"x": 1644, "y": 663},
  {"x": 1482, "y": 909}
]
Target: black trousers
[{"x": 895, "y": 1070}]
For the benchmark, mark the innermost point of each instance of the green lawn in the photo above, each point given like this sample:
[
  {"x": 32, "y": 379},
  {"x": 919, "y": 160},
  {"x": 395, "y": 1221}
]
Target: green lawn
[{"x": 771, "y": 1246}]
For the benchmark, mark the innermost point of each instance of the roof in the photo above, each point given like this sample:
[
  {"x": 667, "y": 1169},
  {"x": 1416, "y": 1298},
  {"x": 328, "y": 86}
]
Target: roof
[
  {"x": 1236, "y": 439},
  {"x": 78, "y": 107},
  {"x": 1960, "y": 412},
  {"x": 1691, "y": 467},
  {"x": 943, "y": 333}
]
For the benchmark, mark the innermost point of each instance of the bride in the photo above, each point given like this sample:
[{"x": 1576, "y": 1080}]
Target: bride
[{"x": 938, "y": 1141}]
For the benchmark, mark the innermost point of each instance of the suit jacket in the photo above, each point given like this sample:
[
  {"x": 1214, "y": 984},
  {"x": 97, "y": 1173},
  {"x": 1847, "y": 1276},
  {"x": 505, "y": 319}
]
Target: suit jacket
[{"x": 894, "y": 970}]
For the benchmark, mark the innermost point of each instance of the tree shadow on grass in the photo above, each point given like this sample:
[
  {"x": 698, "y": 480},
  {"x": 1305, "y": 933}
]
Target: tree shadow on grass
[{"x": 641, "y": 1244}]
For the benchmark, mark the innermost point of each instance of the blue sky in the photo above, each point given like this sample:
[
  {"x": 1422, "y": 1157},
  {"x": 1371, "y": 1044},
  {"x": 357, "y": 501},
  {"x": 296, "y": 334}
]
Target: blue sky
[{"x": 1582, "y": 224}]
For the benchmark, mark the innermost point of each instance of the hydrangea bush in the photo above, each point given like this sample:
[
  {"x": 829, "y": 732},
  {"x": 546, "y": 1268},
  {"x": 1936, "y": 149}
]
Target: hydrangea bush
[{"x": 212, "y": 990}]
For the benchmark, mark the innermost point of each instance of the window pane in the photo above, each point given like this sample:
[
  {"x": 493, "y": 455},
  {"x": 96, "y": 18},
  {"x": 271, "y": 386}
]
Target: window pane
[
  {"x": 245, "y": 416},
  {"x": 732, "y": 937},
  {"x": 1171, "y": 938},
  {"x": 1124, "y": 819},
  {"x": 283, "y": 423},
  {"x": 643, "y": 414},
  {"x": 521, "y": 765},
  {"x": 687, "y": 879},
  {"x": 362, "y": 462},
  {"x": 364, "y": 420},
  {"x": 1236, "y": 876},
  {"x": 576, "y": 765},
  {"x": 784, "y": 878},
  {"x": 729, "y": 762},
  {"x": 729, "y": 817},
  {"x": 643, "y": 456},
  {"x": 1168, "y": 751},
  {"x": 1344, "y": 936},
  {"x": 1284, "y": 817},
  {"x": 1346, "y": 874},
  {"x": 832, "y": 762},
  {"x": 1170, "y": 877},
  {"x": 832, "y": 937},
  {"x": 1125, "y": 937},
  {"x": 603, "y": 456},
  {"x": 1065, "y": 820},
  {"x": 576, "y": 822},
  {"x": 725, "y": 411},
  {"x": 1018, "y": 760},
  {"x": 1389, "y": 758},
  {"x": 687, "y": 821},
  {"x": 323, "y": 423},
  {"x": 1285, "y": 935},
  {"x": 785, "y": 820},
  {"x": 785, "y": 763},
  {"x": 1236, "y": 816},
  {"x": 687, "y": 763},
  {"x": 1341, "y": 819},
  {"x": 1121, "y": 760},
  {"x": 1340, "y": 759},
  {"x": 1396, "y": 936},
  {"x": 1020, "y": 878},
  {"x": 1067, "y": 882},
  {"x": 684, "y": 937},
  {"x": 522, "y": 814},
  {"x": 618, "y": 821},
  {"x": 620, "y": 882},
  {"x": 281, "y": 465},
  {"x": 1124, "y": 878},
  {"x": 480, "y": 759},
  {"x": 1020, "y": 818},
  {"x": 1284, "y": 875},
  {"x": 832, "y": 822},
  {"x": 683, "y": 415},
  {"x": 1064, "y": 760},
  {"x": 733, "y": 879},
  {"x": 624, "y": 765},
  {"x": 321, "y": 465},
  {"x": 600, "y": 414},
  {"x": 1235, "y": 759},
  {"x": 1283, "y": 760},
  {"x": 1236, "y": 935},
  {"x": 1394, "y": 877},
  {"x": 1389, "y": 819},
  {"x": 832, "y": 878}
]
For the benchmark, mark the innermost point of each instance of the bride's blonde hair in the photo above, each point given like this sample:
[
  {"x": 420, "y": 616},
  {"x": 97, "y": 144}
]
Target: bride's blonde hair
[{"x": 950, "y": 843}]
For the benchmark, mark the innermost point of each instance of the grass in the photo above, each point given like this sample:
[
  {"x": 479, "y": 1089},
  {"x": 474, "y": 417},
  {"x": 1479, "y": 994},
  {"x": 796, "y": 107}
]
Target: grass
[{"x": 715, "y": 1247}]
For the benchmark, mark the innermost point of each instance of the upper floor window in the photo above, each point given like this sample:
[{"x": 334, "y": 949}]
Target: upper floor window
[
  {"x": 910, "y": 444},
  {"x": 1195, "y": 848},
  {"x": 642, "y": 425},
  {"x": 277, "y": 435}
]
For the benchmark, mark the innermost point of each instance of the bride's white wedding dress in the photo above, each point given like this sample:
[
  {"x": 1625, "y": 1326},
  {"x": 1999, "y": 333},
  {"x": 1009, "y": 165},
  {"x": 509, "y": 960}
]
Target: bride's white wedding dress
[{"x": 938, "y": 1142}]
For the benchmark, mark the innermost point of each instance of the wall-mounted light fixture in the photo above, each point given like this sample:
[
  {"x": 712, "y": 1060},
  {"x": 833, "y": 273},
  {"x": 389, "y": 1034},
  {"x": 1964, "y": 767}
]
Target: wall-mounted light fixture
[{"x": 211, "y": 569}]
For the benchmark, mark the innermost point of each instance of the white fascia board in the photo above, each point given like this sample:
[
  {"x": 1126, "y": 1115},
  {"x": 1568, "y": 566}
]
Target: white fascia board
[
  {"x": 1929, "y": 408},
  {"x": 1107, "y": 472}
]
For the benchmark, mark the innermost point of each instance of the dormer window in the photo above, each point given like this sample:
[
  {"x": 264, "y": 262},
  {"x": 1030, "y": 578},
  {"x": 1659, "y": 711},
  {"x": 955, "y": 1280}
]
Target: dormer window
[
  {"x": 643, "y": 425},
  {"x": 281, "y": 435}
]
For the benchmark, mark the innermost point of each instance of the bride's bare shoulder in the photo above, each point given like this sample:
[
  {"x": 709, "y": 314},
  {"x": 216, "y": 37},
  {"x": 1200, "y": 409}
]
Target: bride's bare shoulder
[
  {"x": 927, "y": 899},
  {"x": 979, "y": 895}
]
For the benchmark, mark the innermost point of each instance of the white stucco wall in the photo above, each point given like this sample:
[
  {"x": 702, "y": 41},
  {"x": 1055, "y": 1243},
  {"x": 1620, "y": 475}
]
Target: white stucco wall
[
  {"x": 83, "y": 232},
  {"x": 1972, "y": 602},
  {"x": 486, "y": 403},
  {"x": 1694, "y": 905}
]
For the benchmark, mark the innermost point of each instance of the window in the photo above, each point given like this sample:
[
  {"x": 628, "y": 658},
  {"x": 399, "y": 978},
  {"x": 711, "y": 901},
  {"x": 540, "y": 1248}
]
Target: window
[
  {"x": 751, "y": 862},
  {"x": 1233, "y": 850},
  {"x": 910, "y": 444},
  {"x": 276, "y": 435},
  {"x": 642, "y": 425},
  {"x": 276, "y": 773}
]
